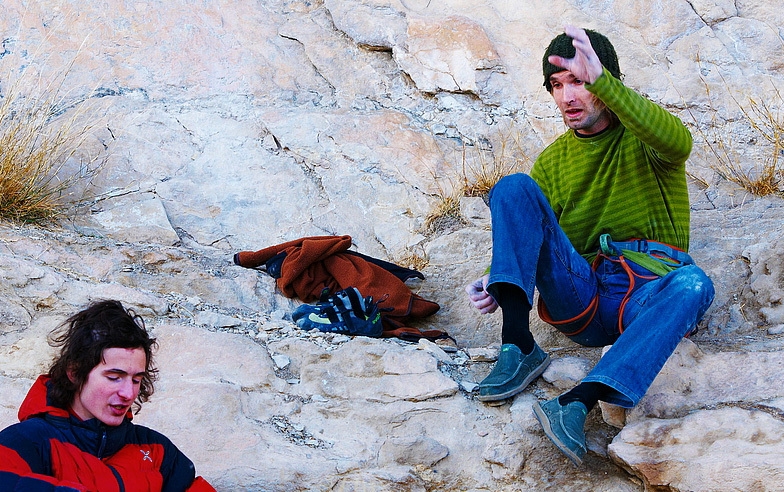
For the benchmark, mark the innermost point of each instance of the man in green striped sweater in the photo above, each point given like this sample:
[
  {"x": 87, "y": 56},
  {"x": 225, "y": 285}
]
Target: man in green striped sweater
[{"x": 601, "y": 229}]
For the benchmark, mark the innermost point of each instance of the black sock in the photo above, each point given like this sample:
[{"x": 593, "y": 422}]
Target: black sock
[
  {"x": 515, "y": 309},
  {"x": 587, "y": 393}
]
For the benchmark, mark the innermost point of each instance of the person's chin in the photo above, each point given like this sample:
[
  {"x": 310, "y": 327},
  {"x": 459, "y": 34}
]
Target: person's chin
[
  {"x": 113, "y": 416},
  {"x": 111, "y": 421}
]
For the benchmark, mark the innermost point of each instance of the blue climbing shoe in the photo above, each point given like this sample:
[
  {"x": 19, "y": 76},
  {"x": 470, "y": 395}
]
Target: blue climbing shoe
[{"x": 345, "y": 312}]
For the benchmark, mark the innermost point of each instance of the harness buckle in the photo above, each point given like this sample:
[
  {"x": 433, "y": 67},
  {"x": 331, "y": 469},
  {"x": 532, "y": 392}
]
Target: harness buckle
[{"x": 606, "y": 245}]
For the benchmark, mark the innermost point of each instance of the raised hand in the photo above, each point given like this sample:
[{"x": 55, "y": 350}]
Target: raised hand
[{"x": 585, "y": 65}]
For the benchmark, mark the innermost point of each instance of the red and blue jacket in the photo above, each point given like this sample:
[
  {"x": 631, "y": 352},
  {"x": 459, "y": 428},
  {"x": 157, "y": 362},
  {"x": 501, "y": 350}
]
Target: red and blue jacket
[{"x": 52, "y": 450}]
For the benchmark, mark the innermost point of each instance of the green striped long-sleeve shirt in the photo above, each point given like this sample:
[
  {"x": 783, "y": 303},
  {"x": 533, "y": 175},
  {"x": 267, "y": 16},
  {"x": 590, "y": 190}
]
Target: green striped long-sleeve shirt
[{"x": 628, "y": 181}]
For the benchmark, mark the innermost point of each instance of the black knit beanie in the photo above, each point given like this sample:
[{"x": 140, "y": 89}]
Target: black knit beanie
[{"x": 562, "y": 46}]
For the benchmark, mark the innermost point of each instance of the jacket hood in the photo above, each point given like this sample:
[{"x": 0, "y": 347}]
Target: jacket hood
[{"x": 35, "y": 403}]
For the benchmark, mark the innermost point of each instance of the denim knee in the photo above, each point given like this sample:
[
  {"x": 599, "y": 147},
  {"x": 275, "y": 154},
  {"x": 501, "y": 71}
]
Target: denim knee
[
  {"x": 693, "y": 284},
  {"x": 512, "y": 186}
]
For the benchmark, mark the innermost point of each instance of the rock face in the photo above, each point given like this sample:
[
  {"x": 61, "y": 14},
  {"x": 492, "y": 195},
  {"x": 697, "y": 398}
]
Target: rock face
[
  {"x": 228, "y": 126},
  {"x": 706, "y": 416}
]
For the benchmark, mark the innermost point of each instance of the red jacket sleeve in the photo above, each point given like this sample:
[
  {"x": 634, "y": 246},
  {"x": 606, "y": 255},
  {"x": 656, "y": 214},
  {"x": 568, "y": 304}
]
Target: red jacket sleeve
[
  {"x": 200, "y": 485},
  {"x": 16, "y": 475}
]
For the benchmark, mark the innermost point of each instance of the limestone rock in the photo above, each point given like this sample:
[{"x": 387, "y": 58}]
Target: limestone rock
[
  {"x": 724, "y": 449},
  {"x": 137, "y": 218},
  {"x": 465, "y": 323},
  {"x": 693, "y": 379},
  {"x": 712, "y": 12},
  {"x": 767, "y": 279},
  {"x": 448, "y": 54},
  {"x": 377, "y": 25},
  {"x": 26, "y": 353},
  {"x": 228, "y": 126},
  {"x": 383, "y": 374},
  {"x": 414, "y": 450},
  {"x": 13, "y": 316},
  {"x": 475, "y": 211},
  {"x": 565, "y": 372}
]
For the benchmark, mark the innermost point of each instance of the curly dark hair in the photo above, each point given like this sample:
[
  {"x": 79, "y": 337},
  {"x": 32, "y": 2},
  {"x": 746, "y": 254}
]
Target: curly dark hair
[{"x": 83, "y": 337}]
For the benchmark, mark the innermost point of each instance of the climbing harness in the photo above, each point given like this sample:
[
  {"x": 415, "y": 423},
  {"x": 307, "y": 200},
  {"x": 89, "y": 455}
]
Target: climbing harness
[
  {"x": 612, "y": 251},
  {"x": 669, "y": 255}
]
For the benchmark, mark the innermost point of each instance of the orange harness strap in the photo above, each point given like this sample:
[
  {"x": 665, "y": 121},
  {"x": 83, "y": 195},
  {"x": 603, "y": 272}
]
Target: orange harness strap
[
  {"x": 590, "y": 311},
  {"x": 588, "y": 314},
  {"x": 632, "y": 283}
]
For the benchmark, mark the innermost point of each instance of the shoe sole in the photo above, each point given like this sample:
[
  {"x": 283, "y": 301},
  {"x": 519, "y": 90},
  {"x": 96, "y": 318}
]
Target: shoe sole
[
  {"x": 548, "y": 431},
  {"x": 508, "y": 394}
]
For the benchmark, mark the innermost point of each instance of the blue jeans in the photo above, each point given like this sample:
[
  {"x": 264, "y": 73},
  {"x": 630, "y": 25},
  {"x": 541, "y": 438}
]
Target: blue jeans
[{"x": 530, "y": 250}]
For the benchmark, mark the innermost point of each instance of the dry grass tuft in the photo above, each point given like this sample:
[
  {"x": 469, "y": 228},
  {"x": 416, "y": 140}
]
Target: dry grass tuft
[
  {"x": 446, "y": 215},
  {"x": 762, "y": 179},
  {"x": 769, "y": 123},
  {"x": 765, "y": 120},
  {"x": 481, "y": 167},
  {"x": 413, "y": 260},
  {"x": 41, "y": 133}
]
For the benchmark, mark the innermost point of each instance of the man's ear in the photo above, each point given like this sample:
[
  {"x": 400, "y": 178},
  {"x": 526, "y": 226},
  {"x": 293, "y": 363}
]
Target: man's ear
[{"x": 71, "y": 375}]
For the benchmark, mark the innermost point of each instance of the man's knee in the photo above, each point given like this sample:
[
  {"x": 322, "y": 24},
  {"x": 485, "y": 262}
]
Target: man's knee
[
  {"x": 692, "y": 282},
  {"x": 512, "y": 186}
]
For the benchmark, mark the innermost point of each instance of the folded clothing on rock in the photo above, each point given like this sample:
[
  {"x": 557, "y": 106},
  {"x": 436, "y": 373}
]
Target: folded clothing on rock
[{"x": 309, "y": 267}]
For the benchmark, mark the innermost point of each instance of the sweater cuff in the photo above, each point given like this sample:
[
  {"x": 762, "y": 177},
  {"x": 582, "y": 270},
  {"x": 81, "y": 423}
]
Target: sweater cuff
[{"x": 601, "y": 82}]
